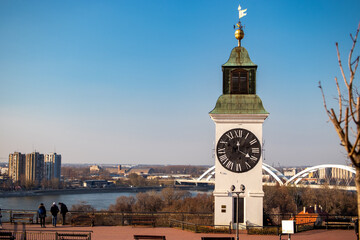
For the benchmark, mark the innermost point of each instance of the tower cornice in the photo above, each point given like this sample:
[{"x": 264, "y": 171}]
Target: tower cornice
[{"x": 238, "y": 118}]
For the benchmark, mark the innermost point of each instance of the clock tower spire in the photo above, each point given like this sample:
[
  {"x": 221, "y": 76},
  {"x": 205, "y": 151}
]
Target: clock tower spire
[
  {"x": 238, "y": 115},
  {"x": 239, "y": 33}
]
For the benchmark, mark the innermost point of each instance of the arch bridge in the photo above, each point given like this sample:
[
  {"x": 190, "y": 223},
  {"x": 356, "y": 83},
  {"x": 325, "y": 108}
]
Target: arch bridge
[{"x": 341, "y": 176}]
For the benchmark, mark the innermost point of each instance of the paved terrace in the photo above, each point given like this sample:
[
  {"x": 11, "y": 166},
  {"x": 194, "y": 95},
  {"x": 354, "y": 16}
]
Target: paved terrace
[{"x": 127, "y": 232}]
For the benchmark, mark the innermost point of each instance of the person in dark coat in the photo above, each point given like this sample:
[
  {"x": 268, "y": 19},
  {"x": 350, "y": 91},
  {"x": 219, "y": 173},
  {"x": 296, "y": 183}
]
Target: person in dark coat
[
  {"x": 54, "y": 212},
  {"x": 63, "y": 211},
  {"x": 42, "y": 214}
]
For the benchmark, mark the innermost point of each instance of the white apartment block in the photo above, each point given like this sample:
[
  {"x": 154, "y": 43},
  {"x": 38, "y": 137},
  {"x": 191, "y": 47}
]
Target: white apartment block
[{"x": 52, "y": 167}]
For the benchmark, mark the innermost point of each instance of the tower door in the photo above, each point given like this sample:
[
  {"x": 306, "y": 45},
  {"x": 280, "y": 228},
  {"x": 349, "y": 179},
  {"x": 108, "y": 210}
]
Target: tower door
[{"x": 240, "y": 210}]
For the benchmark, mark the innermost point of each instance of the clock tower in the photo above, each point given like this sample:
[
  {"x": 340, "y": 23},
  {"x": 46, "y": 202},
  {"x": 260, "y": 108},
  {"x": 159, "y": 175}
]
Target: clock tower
[{"x": 238, "y": 115}]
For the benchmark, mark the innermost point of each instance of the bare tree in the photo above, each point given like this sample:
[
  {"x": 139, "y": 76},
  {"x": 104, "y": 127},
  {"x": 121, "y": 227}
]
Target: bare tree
[{"x": 346, "y": 120}]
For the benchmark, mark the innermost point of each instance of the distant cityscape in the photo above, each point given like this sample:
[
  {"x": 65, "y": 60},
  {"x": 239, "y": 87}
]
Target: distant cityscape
[
  {"x": 330, "y": 175},
  {"x": 324, "y": 173},
  {"x": 34, "y": 169},
  {"x": 45, "y": 171}
]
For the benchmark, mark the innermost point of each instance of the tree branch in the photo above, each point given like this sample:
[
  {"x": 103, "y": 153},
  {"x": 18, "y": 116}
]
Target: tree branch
[
  {"x": 340, "y": 65},
  {"x": 340, "y": 99},
  {"x": 357, "y": 64},
  {"x": 346, "y": 128},
  {"x": 353, "y": 149},
  {"x": 352, "y": 48},
  {"x": 324, "y": 100}
]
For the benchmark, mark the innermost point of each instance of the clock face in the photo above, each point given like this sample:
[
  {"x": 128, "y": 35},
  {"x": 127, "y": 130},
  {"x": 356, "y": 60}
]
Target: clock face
[{"x": 238, "y": 150}]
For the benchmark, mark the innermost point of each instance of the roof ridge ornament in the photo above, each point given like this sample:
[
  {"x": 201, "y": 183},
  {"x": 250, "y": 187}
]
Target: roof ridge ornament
[
  {"x": 242, "y": 13},
  {"x": 239, "y": 33}
]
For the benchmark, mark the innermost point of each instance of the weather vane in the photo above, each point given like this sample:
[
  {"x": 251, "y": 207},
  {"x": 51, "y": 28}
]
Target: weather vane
[
  {"x": 242, "y": 13},
  {"x": 239, "y": 33}
]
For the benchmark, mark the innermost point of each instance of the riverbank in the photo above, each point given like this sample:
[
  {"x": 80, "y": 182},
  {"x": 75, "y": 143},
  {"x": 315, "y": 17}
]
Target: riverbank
[{"x": 46, "y": 192}]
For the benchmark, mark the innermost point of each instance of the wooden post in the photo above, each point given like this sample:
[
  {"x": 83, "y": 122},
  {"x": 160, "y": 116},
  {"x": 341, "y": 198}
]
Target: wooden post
[
  {"x": 24, "y": 232},
  {"x": 182, "y": 221}
]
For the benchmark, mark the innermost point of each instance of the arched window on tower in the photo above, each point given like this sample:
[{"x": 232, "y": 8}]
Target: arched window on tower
[{"x": 239, "y": 82}]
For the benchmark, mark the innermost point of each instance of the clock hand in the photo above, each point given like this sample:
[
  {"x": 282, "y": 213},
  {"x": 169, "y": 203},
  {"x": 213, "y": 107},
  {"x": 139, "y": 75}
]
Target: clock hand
[
  {"x": 246, "y": 154},
  {"x": 238, "y": 145}
]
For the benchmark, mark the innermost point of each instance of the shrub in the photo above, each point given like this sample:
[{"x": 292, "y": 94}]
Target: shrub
[
  {"x": 123, "y": 204},
  {"x": 263, "y": 231},
  {"x": 82, "y": 206}
]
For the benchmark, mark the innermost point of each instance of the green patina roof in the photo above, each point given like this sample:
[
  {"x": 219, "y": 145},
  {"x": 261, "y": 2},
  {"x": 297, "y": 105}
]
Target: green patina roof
[
  {"x": 239, "y": 57},
  {"x": 239, "y": 104}
]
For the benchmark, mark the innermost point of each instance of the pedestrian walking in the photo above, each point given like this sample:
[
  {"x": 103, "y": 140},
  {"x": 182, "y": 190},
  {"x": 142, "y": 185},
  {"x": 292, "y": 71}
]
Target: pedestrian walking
[
  {"x": 63, "y": 211},
  {"x": 42, "y": 214},
  {"x": 54, "y": 212}
]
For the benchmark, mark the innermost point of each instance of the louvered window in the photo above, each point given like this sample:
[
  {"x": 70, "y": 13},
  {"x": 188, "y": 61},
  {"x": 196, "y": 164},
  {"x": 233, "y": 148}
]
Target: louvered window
[{"x": 239, "y": 82}]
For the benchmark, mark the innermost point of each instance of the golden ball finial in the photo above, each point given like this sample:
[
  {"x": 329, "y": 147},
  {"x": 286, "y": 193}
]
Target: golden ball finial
[{"x": 239, "y": 34}]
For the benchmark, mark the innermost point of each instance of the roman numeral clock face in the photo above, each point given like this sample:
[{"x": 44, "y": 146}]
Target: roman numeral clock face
[{"x": 238, "y": 150}]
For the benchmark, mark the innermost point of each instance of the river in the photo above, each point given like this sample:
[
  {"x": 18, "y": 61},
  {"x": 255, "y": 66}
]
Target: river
[{"x": 99, "y": 200}]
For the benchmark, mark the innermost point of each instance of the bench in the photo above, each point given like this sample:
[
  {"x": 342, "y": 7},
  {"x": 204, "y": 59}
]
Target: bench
[
  {"x": 7, "y": 235},
  {"x": 142, "y": 220},
  {"x": 339, "y": 222},
  {"x": 71, "y": 236},
  {"x": 217, "y": 238},
  {"x": 136, "y": 237},
  {"x": 83, "y": 220},
  {"x": 22, "y": 217}
]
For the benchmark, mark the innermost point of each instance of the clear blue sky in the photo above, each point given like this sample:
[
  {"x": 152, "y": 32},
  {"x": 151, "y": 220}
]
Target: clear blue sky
[{"x": 133, "y": 81}]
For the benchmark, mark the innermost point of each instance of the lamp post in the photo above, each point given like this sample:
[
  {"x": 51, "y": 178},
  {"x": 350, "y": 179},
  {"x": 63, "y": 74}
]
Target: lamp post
[{"x": 241, "y": 190}]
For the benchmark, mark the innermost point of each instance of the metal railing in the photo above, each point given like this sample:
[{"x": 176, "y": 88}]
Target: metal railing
[
  {"x": 106, "y": 218},
  {"x": 200, "y": 227},
  {"x": 196, "y": 221},
  {"x": 47, "y": 234},
  {"x": 314, "y": 221}
]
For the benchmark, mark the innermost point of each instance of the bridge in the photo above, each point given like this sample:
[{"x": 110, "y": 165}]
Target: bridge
[{"x": 332, "y": 175}]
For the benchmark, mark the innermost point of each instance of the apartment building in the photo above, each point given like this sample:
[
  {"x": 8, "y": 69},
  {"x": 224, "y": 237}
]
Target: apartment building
[
  {"x": 16, "y": 166},
  {"x": 52, "y": 169},
  {"x": 34, "y": 167}
]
